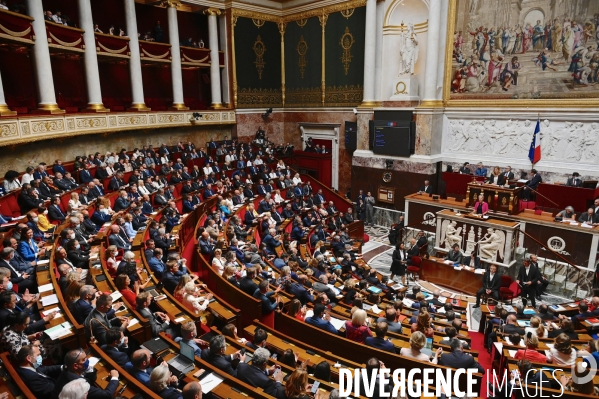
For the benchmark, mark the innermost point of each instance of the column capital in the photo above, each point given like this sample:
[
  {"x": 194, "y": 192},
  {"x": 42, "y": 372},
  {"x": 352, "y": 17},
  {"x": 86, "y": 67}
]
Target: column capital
[
  {"x": 212, "y": 11},
  {"x": 170, "y": 3}
]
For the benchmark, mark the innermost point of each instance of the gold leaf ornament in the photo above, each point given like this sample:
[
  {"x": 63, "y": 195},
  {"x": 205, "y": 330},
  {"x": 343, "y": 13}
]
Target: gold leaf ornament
[
  {"x": 259, "y": 50},
  {"x": 302, "y": 50},
  {"x": 347, "y": 41}
]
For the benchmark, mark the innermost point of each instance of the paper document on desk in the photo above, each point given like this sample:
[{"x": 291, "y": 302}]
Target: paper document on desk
[
  {"x": 59, "y": 331},
  {"x": 588, "y": 226},
  {"x": 45, "y": 287},
  {"x": 337, "y": 323},
  {"x": 49, "y": 300},
  {"x": 442, "y": 299},
  {"x": 408, "y": 302},
  {"x": 43, "y": 262},
  {"x": 522, "y": 180},
  {"x": 457, "y": 268},
  {"x": 375, "y": 309},
  {"x": 115, "y": 295},
  {"x": 133, "y": 321},
  {"x": 93, "y": 361},
  {"x": 498, "y": 346},
  {"x": 479, "y": 271},
  {"x": 210, "y": 382},
  {"x": 309, "y": 313}
]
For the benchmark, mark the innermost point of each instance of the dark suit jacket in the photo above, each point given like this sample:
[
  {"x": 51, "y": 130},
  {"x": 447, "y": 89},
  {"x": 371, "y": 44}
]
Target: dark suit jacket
[
  {"x": 94, "y": 392},
  {"x": 98, "y": 324},
  {"x": 454, "y": 256},
  {"x": 55, "y": 214},
  {"x": 221, "y": 362},
  {"x": 155, "y": 325},
  {"x": 574, "y": 182},
  {"x": 380, "y": 343},
  {"x": 458, "y": 359},
  {"x": 585, "y": 217},
  {"x": 466, "y": 261},
  {"x": 256, "y": 377},
  {"x": 533, "y": 275},
  {"x": 534, "y": 182},
  {"x": 427, "y": 189},
  {"x": 247, "y": 285},
  {"x": 41, "y": 381},
  {"x": 489, "y": 284},
  {"x": 115, "y": 354}
]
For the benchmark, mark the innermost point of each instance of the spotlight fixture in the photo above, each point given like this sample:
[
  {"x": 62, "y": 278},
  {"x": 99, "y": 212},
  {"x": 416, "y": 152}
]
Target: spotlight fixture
[
  {"x": 267, "y": 114},
  {"x": 355, "y": 111}
]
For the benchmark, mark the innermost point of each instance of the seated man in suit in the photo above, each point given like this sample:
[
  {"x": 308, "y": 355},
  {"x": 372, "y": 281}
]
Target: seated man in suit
[
  {"x": 139, "y": 366},
  {"x": 116, "y": 346},
  {"x": 426, "y": 188},
  {"x": 452, "y": 333},
  {"x": 531, "y": 184},
  {"x": 480, "y": 170},
  {"x": 491, "y": 284},
  {"x": 98, "y": 321},
  {"x": 299, "y": 290},
  {"x": 454, "y": 255},
  {"x": 589, "y": 217},
  {"x": 122, "y": 202},
  {"x": 159, "y": 322},
  {"x": 264, "y": 296},
  {"x": 257, "y": 373},
  {"x": 574, "y": 180},
  {"x": 321, "y": 320},
  {"x": 379, "y": 341},
  {"x": 40, "y": 379},
  {"x": 458, "y": 359},
  {"x": 75, "y": 367},
  {"x": 215, "y": 355},
  {"x": 54, "y": 211},
  {"x": 189, "y": 335},
  {"x": 465, "y": 169},
  {"x": 115, "y": 239},
  {"x": 471, "y": 261},
  {"x": 392, "y": 319}
]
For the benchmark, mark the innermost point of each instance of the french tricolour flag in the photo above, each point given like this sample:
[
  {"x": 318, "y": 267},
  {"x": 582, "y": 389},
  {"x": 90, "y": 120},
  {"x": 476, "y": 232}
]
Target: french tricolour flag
[{"x": 534, "y": 154}]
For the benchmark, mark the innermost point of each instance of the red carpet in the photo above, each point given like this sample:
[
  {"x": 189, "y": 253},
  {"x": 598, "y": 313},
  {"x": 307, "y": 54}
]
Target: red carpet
[{"x": 484, "y": 358}]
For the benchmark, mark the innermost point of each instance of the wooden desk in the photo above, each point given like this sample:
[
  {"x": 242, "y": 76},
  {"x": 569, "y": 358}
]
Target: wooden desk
[
  {"x": 500, "y": 199},
  {"x": 437, "y": 272}
]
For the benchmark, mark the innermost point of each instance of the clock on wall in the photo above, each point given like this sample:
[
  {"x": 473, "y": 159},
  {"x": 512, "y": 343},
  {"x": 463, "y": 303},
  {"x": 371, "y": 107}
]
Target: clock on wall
[{"x": 387, "y": 177}]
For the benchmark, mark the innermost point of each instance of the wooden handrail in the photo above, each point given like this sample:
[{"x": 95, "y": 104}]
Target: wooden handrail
[{"x": 558, "y": 255}]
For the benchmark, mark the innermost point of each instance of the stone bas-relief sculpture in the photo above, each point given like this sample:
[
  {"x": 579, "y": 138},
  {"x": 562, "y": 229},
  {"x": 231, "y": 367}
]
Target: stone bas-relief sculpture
[
  {"x": 492, "y": 245},
  {"x": 560, "y": 141},
  {"x": 408, "y": 51},
  {"x": 452, "y": 234}
]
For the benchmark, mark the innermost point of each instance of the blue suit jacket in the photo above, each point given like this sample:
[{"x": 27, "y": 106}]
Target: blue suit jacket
[
  {"x": 143, "y": 376},
  {"x": 196, "y": 349},
  {"x": 297, "y": 233},
  {"x": 380, "y": 343},
  {"x": 267, "y": 305},
  {"x": 301, "y": 293},
  {"x": 120, "y": 357},
  {"x": 41, "y": 385},
  {"x": 157, "y": 266},
  {"x": 270, "y": 243},
  {"x": 322, "y": 324}
]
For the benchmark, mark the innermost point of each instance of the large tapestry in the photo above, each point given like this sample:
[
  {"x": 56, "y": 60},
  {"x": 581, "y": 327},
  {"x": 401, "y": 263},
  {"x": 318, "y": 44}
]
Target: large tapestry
[{"x": 522, "y": 50}]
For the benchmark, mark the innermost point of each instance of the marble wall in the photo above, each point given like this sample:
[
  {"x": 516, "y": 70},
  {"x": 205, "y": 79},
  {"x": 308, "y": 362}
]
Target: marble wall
[
  {"x": 19, "y": 157},
  {"x": 283, "y": 127}
]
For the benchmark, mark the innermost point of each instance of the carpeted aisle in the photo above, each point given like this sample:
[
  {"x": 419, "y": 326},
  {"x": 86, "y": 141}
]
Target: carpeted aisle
[{"x": 484, "y": 358}]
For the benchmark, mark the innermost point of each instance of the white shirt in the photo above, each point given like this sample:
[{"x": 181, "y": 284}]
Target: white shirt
[
  {"x": 491, "y": 276},
  {"x": 26, "y": 178}
]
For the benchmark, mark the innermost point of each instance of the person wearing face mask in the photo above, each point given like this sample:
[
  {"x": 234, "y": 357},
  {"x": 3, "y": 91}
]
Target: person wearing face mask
[
  {"x": 40, "y": 379},
  {"x": 77, "y": 255},
  {"x": 87, "y": 225},
  {"x": 43, "y": 223},
  {"x": 100, "y": 319},
  {"x": 84, "y": 239},
  {"x": 32, "y": 223},
  {"x": 101, "y": 216},
  {"x": 25, "y": 279},
  {"x": 76, "y": 365},
  {"x": 116, "y": 346}
]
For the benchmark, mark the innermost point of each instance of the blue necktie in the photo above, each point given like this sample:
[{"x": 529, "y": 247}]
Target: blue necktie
[{"x": 59, "y": 211}]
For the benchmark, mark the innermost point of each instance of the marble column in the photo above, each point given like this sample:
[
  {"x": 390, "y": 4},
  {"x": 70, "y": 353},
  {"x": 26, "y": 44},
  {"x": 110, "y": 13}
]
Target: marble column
[
  {"x": 4, "y": 110},
  {"x": 378, "y": 67},
  {"x": 137, "y": 88},
  {"x": 441, "y": 46},
  {"x": 173, "y": 38},
  {"x": 432, "y": 54},
  {"x": 222, "y": 31},
  {"x": 41, "y": 61},
  {"x": 90, "y": 58},
  {"x": 214, "y": 58},
  {"x": 368, "y": 99}
]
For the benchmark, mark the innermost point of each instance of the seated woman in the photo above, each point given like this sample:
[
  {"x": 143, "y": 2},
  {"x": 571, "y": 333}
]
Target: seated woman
[
  {"x": 27, "y": 247},
  {"x": 562, "y": 352},
  {"x": 297, "y": 310},
  {"x": 423, "y": 324},
  {"x": 230, "y": 331},
  {"x": 417, "y": 342},
  {"x": 480, "y": 206},
  {"x": 576, "y": 385},
  {"x": 357, "y": 329},
  {"x": 13, "y": 337},
  {"x": 179, "y": 292},
  {"x": 536, "y": 327},
  {"x": 495, "y": 177},
  {"x": 531, "y": 353},
  {"x": 164, "y": 383},
  {"x": 218, "y": 262},
  {"x": 122, "y": 282},
  {"x": 192, "y": 300},
  {"x": 74, "y": 203},
  {"x": 567, "y": 214}
]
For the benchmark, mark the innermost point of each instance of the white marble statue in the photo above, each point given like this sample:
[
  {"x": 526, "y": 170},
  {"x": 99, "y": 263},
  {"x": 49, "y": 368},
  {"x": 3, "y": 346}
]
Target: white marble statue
[
  {"x": 452, "y": 235},
  {"x": 491, "y": 244},
  {"x": 408, "y": 51}
]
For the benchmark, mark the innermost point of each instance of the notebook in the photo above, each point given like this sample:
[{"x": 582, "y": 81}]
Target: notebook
[{"x": 156, "y": 345}]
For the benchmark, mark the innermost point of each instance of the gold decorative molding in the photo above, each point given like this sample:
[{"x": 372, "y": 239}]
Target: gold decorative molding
[
  {"x": 347, "y": 13},
  {"x": 302, "y": 50},
  {"x": 5, "y": 111},
  {"x": 233, "y": 59},
  {"x": 252, "y": 98},
  {"x": 302, "y": 22},
  {"x": 236, "y": 13},
  {"x": 431, "y": 104},
  {"x": 259, "y": 50},
  {"x": 344, "y": 96},
  {"x": 347, "y": 41},
  {"x": 14, "y": 33},
  {"x": 212, "y": 11},
  {"x": 282, "y": 25},
  {"x": 304, "y": 97},
  {"x": 170, "y": 3},
  {"x": 323, "y": 18},
  {"x": 63, "y": 43},
  {"x": 258, "y": 22},
  {"x": 341, "y": 7}
]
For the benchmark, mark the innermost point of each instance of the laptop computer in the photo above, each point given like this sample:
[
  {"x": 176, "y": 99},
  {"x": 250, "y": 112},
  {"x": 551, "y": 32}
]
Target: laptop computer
[
  {"x": 183, "y": 362},
  {"x": 156, "y": 345}
]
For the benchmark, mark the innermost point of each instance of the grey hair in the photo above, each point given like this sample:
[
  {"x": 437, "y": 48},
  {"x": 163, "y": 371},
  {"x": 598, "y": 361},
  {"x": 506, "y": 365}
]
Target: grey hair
[
  {"x": 159, "y": 378},
  {"x": 320, "y": 257},
  {"x": 6, "y": 251},
  {"x": 234, "y": 241},
  {"x": 570, "y": 208},
  {"x": 322, "y": 278},
  {"x": 76, "y": 389},
  {"x": 129, "y": 255},
  {"x": 334, "y": 394},
  {"x": 85, "y": 290},
  {"x": 162, "y": 231},
  {"x": 261, "y": 355},
  {"x": 75, "y": 220},
  {"x": 217, "y": 343}
]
